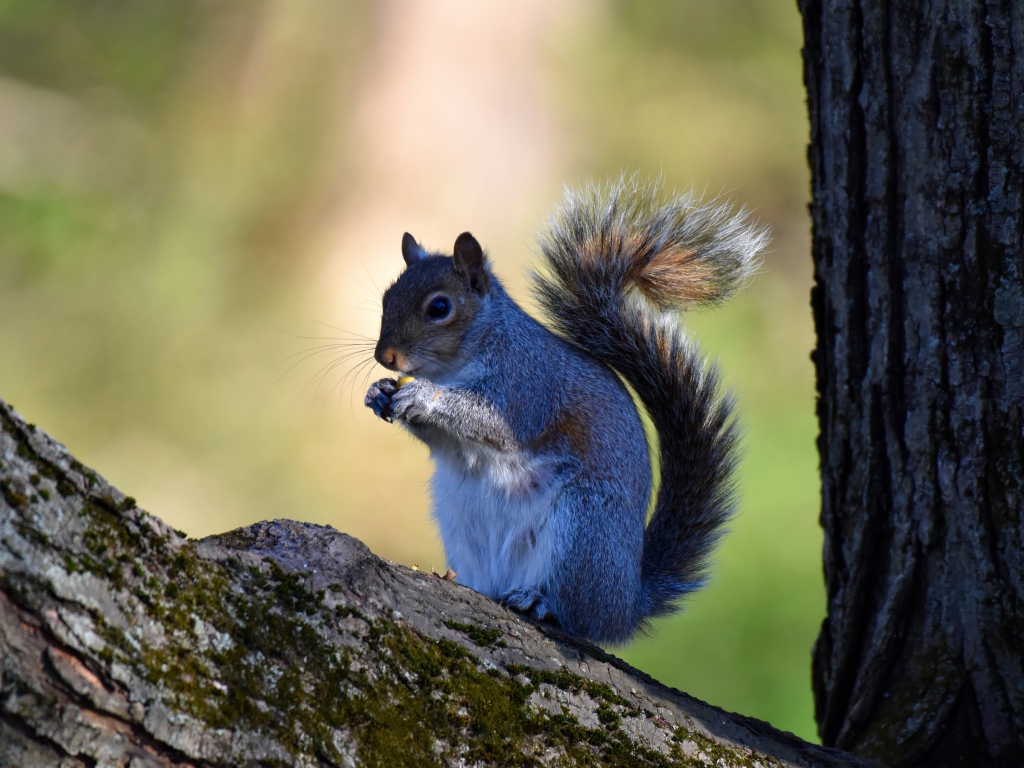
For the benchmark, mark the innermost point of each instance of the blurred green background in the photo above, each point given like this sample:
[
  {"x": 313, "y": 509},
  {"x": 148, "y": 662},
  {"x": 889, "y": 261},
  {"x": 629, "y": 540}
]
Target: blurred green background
[{"x": 195, "y": 195}]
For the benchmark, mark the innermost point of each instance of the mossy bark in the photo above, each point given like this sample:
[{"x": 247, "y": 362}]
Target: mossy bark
[
  {"x": 917, "y": 158},
  {"x": 287, "y": 644}
]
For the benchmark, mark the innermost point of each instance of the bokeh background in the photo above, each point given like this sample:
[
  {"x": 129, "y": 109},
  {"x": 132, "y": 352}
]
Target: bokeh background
[{"x": 201, "y": 201}]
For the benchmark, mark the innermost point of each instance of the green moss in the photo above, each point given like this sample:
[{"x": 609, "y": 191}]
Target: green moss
[
  {"x": 566, "y": 681},
  {"x": 608, "y": 716},
  {"x": 249, "y": 648},
  {"x": 237, "y": 539},
  {"x": 415, "y": 701},
  {"x": 111, "y": 544},
  {"x": 43, "y": 469},
  {"x": 480, "y": 635},
  {"x": 269, "y": 666},
  {"x": 13, "y": 497}
]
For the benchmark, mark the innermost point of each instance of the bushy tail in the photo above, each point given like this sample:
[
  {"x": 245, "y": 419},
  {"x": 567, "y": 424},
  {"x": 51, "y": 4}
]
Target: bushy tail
[{"x": 620, "y": 264}]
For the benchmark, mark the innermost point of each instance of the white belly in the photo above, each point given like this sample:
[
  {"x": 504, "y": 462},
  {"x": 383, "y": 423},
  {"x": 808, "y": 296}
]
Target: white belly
[{"x": 494, "y": 513}]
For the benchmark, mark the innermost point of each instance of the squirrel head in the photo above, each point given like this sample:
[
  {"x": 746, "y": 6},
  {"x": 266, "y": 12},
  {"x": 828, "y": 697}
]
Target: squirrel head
[{"x": 429, "y": 309}]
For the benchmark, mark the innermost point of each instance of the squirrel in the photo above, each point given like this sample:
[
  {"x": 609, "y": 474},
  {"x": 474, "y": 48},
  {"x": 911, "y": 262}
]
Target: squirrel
[{"x": 543, "y": 476}]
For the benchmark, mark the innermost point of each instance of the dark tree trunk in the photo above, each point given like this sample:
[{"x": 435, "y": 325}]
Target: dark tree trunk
[{"x": 917, "y": 118}]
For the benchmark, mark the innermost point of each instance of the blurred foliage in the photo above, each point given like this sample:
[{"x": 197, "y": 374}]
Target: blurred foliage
[
  {"x": 164, "y": 167},
  {"x": 75, "y": 46}
]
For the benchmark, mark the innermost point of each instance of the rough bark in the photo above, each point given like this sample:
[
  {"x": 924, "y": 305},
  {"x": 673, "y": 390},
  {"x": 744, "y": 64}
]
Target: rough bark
[
  {"x": 917, "y": 161},
  {"x": 288, "y": 644}
]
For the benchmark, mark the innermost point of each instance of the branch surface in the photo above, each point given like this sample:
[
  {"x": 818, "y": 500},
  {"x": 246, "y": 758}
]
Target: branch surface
[{"x": 290, "y": 644}]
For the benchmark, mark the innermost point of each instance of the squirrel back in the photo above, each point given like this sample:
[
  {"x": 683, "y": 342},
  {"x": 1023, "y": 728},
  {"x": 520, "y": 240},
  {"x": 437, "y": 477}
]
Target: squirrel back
[{"x": 620, "y": 264}]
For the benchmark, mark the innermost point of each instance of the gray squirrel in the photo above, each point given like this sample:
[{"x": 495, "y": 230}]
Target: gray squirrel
[{"x": 542, "y": 475}]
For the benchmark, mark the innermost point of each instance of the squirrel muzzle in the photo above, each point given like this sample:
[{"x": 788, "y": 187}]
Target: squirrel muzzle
[{"x": 391, "y": 358}]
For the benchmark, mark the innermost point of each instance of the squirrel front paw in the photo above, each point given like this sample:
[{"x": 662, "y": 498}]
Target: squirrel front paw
[
  {"x": 379, "y": 398},
  {"x": 413, "y": 401}
]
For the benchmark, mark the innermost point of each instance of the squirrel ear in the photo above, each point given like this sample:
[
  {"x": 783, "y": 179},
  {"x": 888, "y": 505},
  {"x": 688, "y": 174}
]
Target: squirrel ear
[
  {"x": 469, "y": 263},
  {"x": 411, "y": 250}
]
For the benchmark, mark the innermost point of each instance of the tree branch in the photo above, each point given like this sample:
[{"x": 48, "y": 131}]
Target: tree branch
[{"x": 290, "y": 644}]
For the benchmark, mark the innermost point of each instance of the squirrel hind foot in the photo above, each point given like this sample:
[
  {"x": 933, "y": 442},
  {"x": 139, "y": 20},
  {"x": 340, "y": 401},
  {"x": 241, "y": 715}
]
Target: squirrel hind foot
[{"x": 531, "y": 603}]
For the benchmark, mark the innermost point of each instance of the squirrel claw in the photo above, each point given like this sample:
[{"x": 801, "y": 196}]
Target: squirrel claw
[
  {"x": 411, "y": 403},
  {"x": 378, "y": 398}
]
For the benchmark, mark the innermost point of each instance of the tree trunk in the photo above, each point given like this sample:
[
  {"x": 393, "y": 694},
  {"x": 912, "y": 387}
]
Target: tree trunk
[
  {"x": 288, "y": 644},
  {"x": 917, "y": 158}
]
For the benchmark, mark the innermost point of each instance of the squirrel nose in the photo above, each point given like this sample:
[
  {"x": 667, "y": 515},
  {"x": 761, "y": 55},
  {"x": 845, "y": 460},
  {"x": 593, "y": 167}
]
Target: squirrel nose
[
  {"x": 392, "y": 359},
  {"x": 386, "y": 357}
]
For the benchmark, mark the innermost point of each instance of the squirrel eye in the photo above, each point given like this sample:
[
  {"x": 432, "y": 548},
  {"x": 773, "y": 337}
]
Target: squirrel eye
[{"x": 439, "y": 308}]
